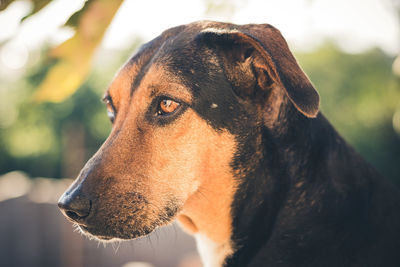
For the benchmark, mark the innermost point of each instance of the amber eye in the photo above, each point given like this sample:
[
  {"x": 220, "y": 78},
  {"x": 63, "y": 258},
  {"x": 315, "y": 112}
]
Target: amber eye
[{"x": 167, "y": 106}]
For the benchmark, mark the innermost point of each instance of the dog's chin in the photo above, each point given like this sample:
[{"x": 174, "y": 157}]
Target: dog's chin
[
  {"x": 124, "y": 231},
  {"x": 110, "y": 234},
  {"x": 124, "y": 225}
]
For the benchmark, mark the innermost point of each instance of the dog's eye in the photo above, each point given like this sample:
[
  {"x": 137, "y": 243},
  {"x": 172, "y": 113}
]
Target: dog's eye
[
  {"x": 167, "y": 106},
  {"x": 110, "y": 114},
  {"x": 110, "y": 108}
]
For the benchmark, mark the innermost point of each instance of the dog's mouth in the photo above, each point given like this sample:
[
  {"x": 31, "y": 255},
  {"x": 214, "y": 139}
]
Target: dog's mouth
[
  {"x": 107, "y": 233},
  {"x": 123, "y": 225},
  {"x": 110, "y": 234},
  {"x": 85, "y": 230}
]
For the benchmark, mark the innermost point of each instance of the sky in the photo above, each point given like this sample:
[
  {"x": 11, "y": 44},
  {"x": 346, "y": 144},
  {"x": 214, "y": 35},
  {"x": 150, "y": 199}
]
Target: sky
[{"x": 355, "y": 25}]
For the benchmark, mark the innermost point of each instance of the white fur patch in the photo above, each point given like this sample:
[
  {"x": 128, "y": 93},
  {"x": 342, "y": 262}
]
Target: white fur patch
[
  {"x": 211, "y": 253},
  {"x": 219, "y": 30}
]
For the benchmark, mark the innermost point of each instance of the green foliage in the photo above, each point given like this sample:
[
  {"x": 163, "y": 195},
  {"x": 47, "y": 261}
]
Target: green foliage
[
  {"x": 37, "y": 6},
  {"x": 359, "y": 95},
  {"x": 4, "y": 4}
]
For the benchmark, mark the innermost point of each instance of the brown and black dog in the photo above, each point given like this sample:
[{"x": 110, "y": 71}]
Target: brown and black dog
[{"x": 216, "y": 125}]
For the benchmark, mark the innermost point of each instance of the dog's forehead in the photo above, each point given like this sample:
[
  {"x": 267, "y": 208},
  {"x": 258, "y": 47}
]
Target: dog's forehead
[{"x": 174, "y": 54}]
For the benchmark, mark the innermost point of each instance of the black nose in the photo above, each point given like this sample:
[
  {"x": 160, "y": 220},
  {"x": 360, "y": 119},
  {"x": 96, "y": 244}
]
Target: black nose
[{"x": 74, "y": 205}]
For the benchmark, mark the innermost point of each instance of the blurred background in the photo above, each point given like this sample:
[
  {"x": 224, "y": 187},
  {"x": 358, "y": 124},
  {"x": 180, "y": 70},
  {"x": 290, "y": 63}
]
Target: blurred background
[{"x": 58, "y": 57}]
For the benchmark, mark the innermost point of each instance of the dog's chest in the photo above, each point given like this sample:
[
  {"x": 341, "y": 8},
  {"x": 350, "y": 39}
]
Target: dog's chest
[{"x": 211, "y": 253}]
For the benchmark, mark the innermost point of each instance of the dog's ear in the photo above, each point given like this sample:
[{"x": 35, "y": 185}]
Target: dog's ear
[{"x": 259, "y": 55}]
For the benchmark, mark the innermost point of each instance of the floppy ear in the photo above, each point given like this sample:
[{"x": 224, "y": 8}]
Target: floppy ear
[{"x": 259, "y": 55}]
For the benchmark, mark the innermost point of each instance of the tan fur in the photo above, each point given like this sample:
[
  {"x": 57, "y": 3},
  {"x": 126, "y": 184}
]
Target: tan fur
[
  {"x": 191, "y": 162},
  {"x": 208, "y": 210},
  {"x": 186, "y": 163},
  {"x": 209, "y": 207}
]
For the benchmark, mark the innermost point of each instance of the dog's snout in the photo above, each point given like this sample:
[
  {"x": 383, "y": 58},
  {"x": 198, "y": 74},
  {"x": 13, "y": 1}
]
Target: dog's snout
[{"x": 75, "y": 205}]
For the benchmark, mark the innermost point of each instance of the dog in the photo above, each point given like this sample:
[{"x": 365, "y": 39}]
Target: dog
[{"x": 217, "y": 126}]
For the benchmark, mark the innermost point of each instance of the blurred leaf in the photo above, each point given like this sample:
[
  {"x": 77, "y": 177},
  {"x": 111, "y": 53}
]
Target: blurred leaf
[
  {"x": 37, "y": 6},
  {"x": 4, "y": 4},
  {"x": 73, "y": 21},
  {"x": 75, "y": 55},
  {"x": 62, "y": 80}
]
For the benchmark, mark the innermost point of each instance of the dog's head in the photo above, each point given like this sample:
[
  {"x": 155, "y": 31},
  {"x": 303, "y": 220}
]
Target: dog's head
[{"x": 186, "y": 109}]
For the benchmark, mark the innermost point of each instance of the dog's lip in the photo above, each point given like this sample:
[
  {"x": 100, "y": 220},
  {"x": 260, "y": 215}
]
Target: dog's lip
[
  {"x": 103, "y": 237},
  {"x": 82, "y": 225}
]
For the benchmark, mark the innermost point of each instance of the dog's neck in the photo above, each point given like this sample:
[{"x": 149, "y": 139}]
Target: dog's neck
[
  {"x": 232, "y": 222},
  {"x": 224, "y": 215},
  {"x": 207, "y": 213},
  {"x": 276, "y": 204}
]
